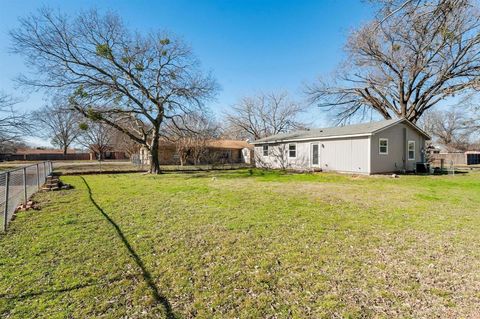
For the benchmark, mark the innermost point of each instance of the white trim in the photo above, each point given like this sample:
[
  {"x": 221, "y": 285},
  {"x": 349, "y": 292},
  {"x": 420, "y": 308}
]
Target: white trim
[
  {"x": 263, "y": 150},
  {"x": 409, "y": 123},
  {"x": 379, "y": 146},
  {"x": 414, "y": 151},
  {"x": 313, "y": 139},
  {"x": 311, "y": 155},
  {"x": 369, "y": 164},
  {"x": 288, "y": 150}
]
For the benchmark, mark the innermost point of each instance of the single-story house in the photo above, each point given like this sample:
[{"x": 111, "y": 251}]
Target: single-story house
[
  {"x": 368, "y": 148},
  {"x": 215, "y": 152}
]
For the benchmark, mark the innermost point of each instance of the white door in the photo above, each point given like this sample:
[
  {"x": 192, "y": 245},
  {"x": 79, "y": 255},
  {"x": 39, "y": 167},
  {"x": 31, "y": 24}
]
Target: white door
[{"x": 315, "y": 154}]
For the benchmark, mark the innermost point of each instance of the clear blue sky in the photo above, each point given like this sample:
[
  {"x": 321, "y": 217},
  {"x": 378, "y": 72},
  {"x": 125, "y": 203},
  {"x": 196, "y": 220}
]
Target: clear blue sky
[{"x": 249, "y": 45}]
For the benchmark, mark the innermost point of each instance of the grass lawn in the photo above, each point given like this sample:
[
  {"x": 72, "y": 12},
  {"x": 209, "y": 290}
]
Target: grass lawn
[{"x": 241, "y": 245}]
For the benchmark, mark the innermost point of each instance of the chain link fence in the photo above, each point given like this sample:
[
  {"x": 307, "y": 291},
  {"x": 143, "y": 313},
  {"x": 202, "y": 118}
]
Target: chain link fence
[{"x": 18, "y": 185}]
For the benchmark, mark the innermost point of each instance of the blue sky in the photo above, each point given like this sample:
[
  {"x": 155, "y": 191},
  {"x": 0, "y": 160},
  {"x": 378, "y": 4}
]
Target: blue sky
[{"x": 248, "y": 45}]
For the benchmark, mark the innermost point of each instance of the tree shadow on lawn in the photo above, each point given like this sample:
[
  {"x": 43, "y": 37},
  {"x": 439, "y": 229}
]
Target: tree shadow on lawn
[
  {"x": 159, "y": 298},
  {"x": 61, "y": 290}
]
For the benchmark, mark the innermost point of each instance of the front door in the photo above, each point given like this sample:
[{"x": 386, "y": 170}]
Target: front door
[{"x": 315, "y": 154}]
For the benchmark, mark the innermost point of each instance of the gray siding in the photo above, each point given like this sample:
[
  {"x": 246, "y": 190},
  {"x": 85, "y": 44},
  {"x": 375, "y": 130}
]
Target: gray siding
[
  {"x": 397, "y": 149},
  {"x": 342, "y": 154}
]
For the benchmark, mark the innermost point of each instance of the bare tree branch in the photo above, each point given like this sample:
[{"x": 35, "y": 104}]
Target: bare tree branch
[
  {"x": 411, "y": 56},
  {"x": 113, "y": 72}
]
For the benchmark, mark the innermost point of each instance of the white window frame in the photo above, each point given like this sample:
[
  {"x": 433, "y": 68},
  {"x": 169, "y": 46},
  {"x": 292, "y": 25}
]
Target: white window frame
[
  {"x": 288, "y": 150},
  {"x": 263, "y": 150},
  {"x": 380, "y": 146},
  {"x": 408, "y": 150}
]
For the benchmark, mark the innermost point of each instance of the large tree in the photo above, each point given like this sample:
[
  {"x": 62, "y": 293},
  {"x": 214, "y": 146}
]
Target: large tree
[
  {"x": 131, "y": 81},
  {"x": 412, "y": 55},
  {"x": 451, "y": 128},
  {"x": 12, "y": 124},
  {"x": 263, "y": 115},
  {"x": 58, "y": 122},
  {"x": 97, "y": 137}
]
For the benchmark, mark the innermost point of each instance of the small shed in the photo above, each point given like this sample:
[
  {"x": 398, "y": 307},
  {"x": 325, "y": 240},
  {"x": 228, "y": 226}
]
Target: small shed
[{"x": 367, "y": 148}]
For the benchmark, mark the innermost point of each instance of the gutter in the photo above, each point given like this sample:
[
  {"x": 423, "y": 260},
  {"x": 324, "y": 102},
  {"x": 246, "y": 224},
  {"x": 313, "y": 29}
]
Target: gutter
[{"x": 311, "y": 139}]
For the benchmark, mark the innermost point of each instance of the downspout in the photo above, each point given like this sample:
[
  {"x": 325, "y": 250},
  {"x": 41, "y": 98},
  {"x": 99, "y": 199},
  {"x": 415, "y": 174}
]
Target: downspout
[{"x": 404, "y": 148}]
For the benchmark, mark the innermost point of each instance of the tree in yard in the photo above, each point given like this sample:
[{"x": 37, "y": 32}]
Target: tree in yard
[
  {"x": 191, "y": 136},
  {"x": 97, "y": 137},
  {"x": 411, "y": 56},
  {"x": 452, "y": 129},
  {"x": 263, "y": 115},
  {"x": 130, "y": 81},
  {"x": 12, "y": 124},
  {"x": 58, "y": 122}
]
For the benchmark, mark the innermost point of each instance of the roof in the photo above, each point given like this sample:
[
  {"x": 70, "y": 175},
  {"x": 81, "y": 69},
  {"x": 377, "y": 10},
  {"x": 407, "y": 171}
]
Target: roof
[
  {"x": 363, "y": 129},
  {"x": 229, "y": 144},
  {"x": 219, "y": 144},
  {"x": 23, "y": 151}
]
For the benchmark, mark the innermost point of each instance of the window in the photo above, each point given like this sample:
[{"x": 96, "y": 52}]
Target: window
[
  {"x": 292, "y": 150},
  {"x": 411, "y": 150},
  {"x": 383, "y": 146},
  {"x": 265, "y": 150}
]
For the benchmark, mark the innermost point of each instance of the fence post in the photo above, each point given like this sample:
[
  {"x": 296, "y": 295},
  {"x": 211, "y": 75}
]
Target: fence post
[
  {"x": 25, "y": 195},
  {"x": 38, "y": 178},
  {"x": 5, "y": 208}
]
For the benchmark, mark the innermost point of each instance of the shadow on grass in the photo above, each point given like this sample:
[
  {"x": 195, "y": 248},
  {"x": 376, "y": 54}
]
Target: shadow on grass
[
  {"x": 145, "y": 273},
  {"x": 52, "y": 291},
  {"x": 61, "y": 290}
]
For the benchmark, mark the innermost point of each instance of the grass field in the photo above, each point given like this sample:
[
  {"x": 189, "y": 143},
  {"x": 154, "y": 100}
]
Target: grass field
[{"x": 247, "y": 245}]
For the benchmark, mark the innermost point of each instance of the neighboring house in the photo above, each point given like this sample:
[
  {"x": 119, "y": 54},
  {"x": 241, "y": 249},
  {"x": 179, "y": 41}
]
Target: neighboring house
[
  {"x": 376, "y": 147},
  {"x": 215, "y": 152},
  {"x": 108, "y": 153}
]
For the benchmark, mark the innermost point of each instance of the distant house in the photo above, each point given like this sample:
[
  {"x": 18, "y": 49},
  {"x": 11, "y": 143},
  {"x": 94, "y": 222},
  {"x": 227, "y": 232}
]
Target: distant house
[
  {"x": 376, "y": 147},
  {"x": 108, "y": 153},
  {"x": 215, "y": 152}
]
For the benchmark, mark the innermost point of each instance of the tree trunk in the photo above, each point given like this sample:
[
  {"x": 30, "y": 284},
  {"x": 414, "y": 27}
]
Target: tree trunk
[
  {"x": 154, "y": 158},
  {"x": 65, "y": 149}
]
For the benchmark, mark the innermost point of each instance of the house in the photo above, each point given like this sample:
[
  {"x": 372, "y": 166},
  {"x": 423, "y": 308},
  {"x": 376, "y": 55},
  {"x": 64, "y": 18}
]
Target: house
[
  {"x": 213, "y": 152},
  {"x": 368, "y": 148},
  {"x": 106, "y": 152}
]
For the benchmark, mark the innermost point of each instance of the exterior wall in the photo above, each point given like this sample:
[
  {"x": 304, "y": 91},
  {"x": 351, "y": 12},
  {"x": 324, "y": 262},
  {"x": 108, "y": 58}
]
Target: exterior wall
[
  {"x": 397, "y": 149},
  {"x": 343, "y": 155}
]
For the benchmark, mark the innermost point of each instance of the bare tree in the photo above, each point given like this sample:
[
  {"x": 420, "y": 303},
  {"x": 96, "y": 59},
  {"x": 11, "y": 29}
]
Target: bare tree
[
  {"x": 451, "y": 129},
  {"x": 191, "y": 136},
  {"x": 117, "y": 76},
  {"x": 97, "y": 137},
  {"x": 411, "y": 56},
  {"x": 264, "y": 115},
  {"x": 12, "y": 124},
  {"x": 58, "y": 122}
]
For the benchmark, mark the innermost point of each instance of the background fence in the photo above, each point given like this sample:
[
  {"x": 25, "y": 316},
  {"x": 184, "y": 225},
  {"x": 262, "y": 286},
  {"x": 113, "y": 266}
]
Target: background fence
[{"x": 17, "y": 185}]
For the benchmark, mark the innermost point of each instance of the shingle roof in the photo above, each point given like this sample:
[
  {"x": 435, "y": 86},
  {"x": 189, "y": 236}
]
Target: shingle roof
[
  {"x": 347, "y": 130},
  {"x": 229, "y": 144}
]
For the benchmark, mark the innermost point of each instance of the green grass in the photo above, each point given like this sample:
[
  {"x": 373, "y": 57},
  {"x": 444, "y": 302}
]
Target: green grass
[{"x": 246, "y": 244}]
